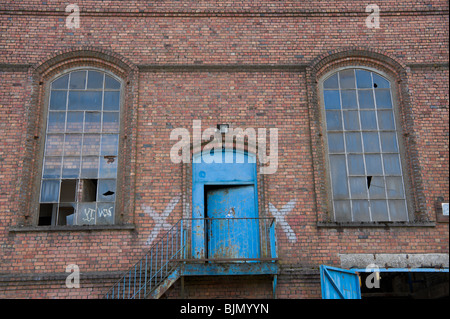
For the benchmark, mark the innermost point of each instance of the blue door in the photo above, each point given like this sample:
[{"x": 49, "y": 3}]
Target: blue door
[
  {"x": 231, "y": 188},
  {"x": 233, "y": 230},
  {"x": 339, "y": 283}
]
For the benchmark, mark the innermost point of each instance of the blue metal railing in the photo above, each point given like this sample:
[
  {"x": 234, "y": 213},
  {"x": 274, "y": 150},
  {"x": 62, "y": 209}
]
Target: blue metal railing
[
  {"x": 219, "y": 239},
  {"x": 153, "y": 268}
]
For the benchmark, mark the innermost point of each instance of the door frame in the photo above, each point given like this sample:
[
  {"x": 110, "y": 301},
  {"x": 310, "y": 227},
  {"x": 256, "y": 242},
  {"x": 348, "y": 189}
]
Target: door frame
[{"x": 206, "y": 174}]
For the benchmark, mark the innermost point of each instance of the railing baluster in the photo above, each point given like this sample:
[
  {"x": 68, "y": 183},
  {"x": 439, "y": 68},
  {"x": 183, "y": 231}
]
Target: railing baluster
[
  {"x": 129, "y": 284},
  {"x": 255, "y": 239}
]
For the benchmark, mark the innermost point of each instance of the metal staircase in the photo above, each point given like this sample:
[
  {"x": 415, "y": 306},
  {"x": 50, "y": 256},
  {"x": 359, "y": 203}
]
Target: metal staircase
[{"x": 176, "y": 254}]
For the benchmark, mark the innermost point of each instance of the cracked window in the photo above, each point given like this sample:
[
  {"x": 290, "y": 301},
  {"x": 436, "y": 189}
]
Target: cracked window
[
  {"x": 80, "y": 162},
  {"x": 363, "y": 153}
]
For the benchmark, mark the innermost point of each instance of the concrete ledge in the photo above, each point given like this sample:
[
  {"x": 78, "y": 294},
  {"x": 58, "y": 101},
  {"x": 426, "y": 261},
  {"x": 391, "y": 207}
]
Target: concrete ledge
[
  {"x": 224, "y": 269},
  {"x": 394, "y": 260}
]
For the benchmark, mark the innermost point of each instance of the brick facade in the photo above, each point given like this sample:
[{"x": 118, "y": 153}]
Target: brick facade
[{"x": 252, "y": 66}]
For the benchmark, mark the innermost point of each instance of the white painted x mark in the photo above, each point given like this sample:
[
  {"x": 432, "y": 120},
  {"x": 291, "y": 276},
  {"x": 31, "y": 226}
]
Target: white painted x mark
[
  {"x": 160, "y": 219},
  {"x": 280, "y": 217}
]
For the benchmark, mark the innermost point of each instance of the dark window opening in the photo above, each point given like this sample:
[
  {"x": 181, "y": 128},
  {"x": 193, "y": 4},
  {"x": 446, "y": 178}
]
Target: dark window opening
[
  {"x": 45, "y": 214},
  {"x": 406, "y": 285}
]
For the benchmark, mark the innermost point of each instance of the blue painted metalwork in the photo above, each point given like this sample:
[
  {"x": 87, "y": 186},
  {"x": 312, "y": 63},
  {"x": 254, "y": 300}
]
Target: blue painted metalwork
[
  {"x": 172, "y": 256},
  {"x": 227, "y": 269},
  {"x": 227, "y": 168},
  {"x": 339, "y": 283},
  {"x": 232, "y": 229}
]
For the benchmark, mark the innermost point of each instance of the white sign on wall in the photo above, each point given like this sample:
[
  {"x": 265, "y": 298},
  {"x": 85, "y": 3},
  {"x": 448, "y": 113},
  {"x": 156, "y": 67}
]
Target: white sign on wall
[{"x": 445, "y": 209}]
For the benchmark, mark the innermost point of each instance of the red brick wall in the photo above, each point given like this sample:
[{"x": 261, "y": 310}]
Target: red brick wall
[{"x": 144, "y": 43}]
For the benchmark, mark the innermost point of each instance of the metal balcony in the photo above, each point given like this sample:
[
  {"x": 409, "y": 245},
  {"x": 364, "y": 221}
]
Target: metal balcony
[{"x": 201, "y": 247}]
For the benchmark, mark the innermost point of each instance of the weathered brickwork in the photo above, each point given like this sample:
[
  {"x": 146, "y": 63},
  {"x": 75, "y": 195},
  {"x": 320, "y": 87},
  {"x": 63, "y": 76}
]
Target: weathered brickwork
[{"x": 250, "y": 65}]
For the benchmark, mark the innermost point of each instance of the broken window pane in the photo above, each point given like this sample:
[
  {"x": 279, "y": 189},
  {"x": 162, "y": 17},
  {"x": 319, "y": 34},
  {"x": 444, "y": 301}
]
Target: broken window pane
[
  {"x": 108, "y": 167},
  {"x": 66, "y": 214},
  {"x": 109, "y": 144},
  {"x": 87, "y": 190},
  {"x": 379, "y": 82},
  {"x": 68, "y": 190},
  {"x": 106, "y": 190},
  {"x": 46, "y": 212},
  {"x": 377, "y": 188}
]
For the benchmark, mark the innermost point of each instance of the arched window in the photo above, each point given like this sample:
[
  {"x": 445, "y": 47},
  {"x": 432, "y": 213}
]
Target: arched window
[
  {"x": 79, "y": 169},
  {"x": 363, "y": 151}
]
